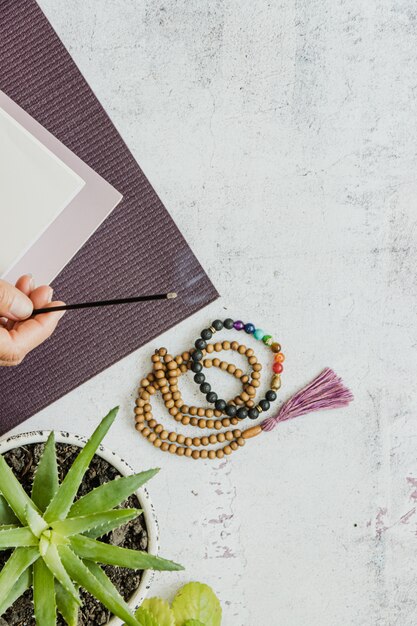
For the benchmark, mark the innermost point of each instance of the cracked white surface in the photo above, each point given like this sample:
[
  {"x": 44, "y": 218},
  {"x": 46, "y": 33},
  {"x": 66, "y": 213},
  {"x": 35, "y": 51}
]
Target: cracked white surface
[{"x": 281, "y": 137}]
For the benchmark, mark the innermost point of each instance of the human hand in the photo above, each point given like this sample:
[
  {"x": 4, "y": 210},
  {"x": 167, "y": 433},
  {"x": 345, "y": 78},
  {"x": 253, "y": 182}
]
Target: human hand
[{"x": 20, "y": 333}]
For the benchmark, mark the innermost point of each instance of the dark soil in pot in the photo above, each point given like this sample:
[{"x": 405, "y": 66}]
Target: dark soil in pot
[{"x": 133, "y": 535}]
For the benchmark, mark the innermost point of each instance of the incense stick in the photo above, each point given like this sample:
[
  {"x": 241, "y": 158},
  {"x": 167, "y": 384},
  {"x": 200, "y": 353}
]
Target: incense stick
[{"x": 99, "y": 303}]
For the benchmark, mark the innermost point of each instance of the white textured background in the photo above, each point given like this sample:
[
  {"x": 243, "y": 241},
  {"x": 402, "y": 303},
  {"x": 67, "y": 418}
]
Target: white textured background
[{"x": 282, "y": 138}]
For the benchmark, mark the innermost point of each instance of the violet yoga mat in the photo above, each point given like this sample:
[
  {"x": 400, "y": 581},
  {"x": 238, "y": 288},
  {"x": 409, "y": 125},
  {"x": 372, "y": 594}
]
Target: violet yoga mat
[{"x": 137, "y": 250}]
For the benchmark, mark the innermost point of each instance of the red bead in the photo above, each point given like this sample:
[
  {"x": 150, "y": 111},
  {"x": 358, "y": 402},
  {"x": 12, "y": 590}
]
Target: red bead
[{"x": 277, "y": 367}]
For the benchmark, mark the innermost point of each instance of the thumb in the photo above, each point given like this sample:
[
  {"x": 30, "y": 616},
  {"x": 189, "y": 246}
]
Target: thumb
[{"x": 14, "y": 305}]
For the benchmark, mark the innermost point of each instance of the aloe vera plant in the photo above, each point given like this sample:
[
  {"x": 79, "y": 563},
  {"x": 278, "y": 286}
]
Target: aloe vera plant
[{"x": 55, "y": 538}]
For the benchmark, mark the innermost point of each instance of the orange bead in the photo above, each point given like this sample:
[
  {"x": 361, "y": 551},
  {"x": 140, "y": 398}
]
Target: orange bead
[{"x": 279, "y": 358}]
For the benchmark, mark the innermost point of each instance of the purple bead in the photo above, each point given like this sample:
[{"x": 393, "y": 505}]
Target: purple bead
[{"x": 238, "y": 325}]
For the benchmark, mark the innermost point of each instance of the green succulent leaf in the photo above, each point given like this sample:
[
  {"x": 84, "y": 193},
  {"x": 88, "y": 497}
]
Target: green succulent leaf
[
  {"x": 113, "y": 523},
  {"x": 193, "y": 622},
  {"x": 36, "y": 523},
  {"x": 62, "y": 501},
  {"x": 15, "y": 566},
  {"x": 110, "y": 494},
  {"x": 146, "y": 618},
  {"x": 66, "y": 605},
  {"x": 23, "y": 583},
  {"x": 43, "y": 594},
  {"x": 96, "y": 521},
  {"x": 15, "y": 537},
  {"x": 99, "y": 552},
  {"x": 160, "y": 610},
  {"x": 46, "y": 483},
  {"x": 14, "y": 493},
  {"x": 6, "y": 514},
  {"x": 54, "y": 564},
  {"x": 199, "y": 602},
  {"x": 92, "y": 581}
]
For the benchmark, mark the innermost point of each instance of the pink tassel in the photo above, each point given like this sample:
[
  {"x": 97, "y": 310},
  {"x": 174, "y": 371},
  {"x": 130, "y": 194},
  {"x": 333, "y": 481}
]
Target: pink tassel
[{"x": 327, "y": 391}]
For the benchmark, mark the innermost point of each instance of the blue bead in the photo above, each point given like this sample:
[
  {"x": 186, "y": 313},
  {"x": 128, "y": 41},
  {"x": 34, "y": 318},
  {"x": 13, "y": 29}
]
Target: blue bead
[
  {"x": 259, "y": 333},
  {"x": 249, "y": 328}
]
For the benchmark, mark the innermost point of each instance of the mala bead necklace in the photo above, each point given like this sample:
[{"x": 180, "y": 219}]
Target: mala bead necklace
[{"x": 326, "y": 391}]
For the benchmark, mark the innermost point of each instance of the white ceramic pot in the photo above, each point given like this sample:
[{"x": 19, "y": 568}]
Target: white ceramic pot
[{"x": 38, "y": 436}]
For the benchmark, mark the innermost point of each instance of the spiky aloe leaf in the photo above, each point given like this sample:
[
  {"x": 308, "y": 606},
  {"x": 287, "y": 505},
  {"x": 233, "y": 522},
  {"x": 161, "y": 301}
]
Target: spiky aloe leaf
[
  {"x": 76, "y": 525},
  {"x": 62, "y": 501},
  {"x": 19, "y": 561},
  {"x": 43, "y": 594},
  {"x": 22, "y": 583},
  {"x": 54, "y": 564},
  {"x": 36, "y": 523},
  {"x": 6, "y": 514},
  {"x": 110, "y": 494},
  {"x": 66, "y": 605},
  {"x": 99, "y": 552},
  {"x": 86, "y": 579},
  {"x": 14, "y": 493},
  {"x": 113, "y": 523},
  {"x": 15, "y": 537},
  {"x": 45, "y": 483}
]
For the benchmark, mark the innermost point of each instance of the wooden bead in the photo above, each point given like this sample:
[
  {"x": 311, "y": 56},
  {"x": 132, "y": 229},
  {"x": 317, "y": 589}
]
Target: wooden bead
[
  {"x": 180, "y": 451},
  {"x": 224, "y": 365},
  {"x": 144, "y": 382},
  {"x": 218, "y": 346},
  {"x": 217, "y": 413},
  {"x": 188, "y": 452},
  {"x": 185, "y": 356},
  {"x": 231, "y": 368},
  {"x": 178, "y": 417},
  {"x": 188, "y": 442},
  {"x": 192, "y": 410},
  {"x": 209, "y": 413},
  {"x": 238, "y": 400},
  {"x": 157, "y": 443},
  {"x": 153, "y": 423},
  {"x": 202, "y": 423},
  {"x": 194, "y": 421},
  {"x": 152, "y": 437},
  {"x": 162, "y": 351},
  {"x": 234, "y": 421},
  {"x": 207, "y": 362},
  {"x": 165, "y": 389},
  {"x": 250, "y": 389},
  {"x": 144, "y": 395},
  {"x": 216, "y": 362},
  {"x": 158, "y": 367},
  {"x": 205, "y": 441},
  {"x": 209, "y": 348},
  {"x": 210, "y": 423},
  {"x": 241, "y": 441},
  {"x": 211, "y": 454},
  {"x": 180, "y": 438},
  {"x": 176, "y": 395},
  {"x": 255, "y": 383},
  {"x": 226, "y": 422},
  {"x": 146, "y": 431},
  {"x": 171, "y": 364},
  {"x": 140, "y": 402},
  {"x": 256, "y": 375},
  {"x": 178, "y": 403},
  {"x": 185, "y": 420},
  {"x": 219, "y": 454},
  {"x": 172, "y": 436},
  {"x": 139, "y": 410},
  {"x": 165, "y": 446},
  {"x": 229, "y": 435},
  {"x": 159, "y": 429},
  {"x": 178, "y": 359},
  {"x": 174, "y": 411},
  {"x": 250, "y": 404},
  {"x": 227, "y": 450},
  {"x": 155, "y": 358},
  {"x": 249, "y": 352},
  {"x": 251, "y": 432},
  {"x": 217, "y": 425},
  {"x": 195, "y": 454},
  {"x": 234, "y": 445},
  {"x": 275, "y": 347},
  {"x": 201, "y": 412},
  {"x": 245, "y": 397},
  {"x": 257, "y": 367},
  {"x": 237, "y": 433},
  {"x": 241, "y": 349},
  {"x": 196, "y": 441},
  {"x": 203, "y": 454},
  {"x": 226, "y": 345},
  {"x": 213, "y": 439},
  {"x": 139, "y": 418},
  {"x": 244, "y": 379},
  {"x": 173, "y": 381},
  {"x": 167, "y": 396},
  {"x": 164, "y": 434},
  {"x": 221, "y": 437},
  {"x": 140, "y": 426},
  {"x": 172, "y": 448},
  {"x": 159, "y": 374},
  {"x": 238, "y": 373}
]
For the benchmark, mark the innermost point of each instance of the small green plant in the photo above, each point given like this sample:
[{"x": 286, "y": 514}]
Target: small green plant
[
  {"x": 194, "y": 605},
  {"x": 55, "y": 539}
]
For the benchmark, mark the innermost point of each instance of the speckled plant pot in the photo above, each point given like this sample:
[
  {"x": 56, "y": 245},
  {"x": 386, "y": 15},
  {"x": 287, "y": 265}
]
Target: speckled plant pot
[{"x": 40, "y": 436}]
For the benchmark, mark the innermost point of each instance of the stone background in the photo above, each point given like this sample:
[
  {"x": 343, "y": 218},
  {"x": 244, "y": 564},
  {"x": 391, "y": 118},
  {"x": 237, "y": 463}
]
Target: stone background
[{"x": 281, "y": 137}]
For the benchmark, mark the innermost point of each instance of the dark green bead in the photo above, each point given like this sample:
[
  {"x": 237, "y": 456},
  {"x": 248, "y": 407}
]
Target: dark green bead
[
  {"x": 228, "y": 323},
  {"x": 196, "y": 367},
  {"x": 220, "y": 405},
  {"x": 242, "y": 413},
  {"x": 211, "y": 397},
  {"x": 206, "y": 334},
  {"x": 200, "y": 344},
  {"x": 197, "y": 355},
  {"x": 231, "y": 410},
  {"x": 217, "y": 324},
  {"x": 264, "y": 404},
  {"x": 199, "y": 378},
  {"x": 271, "y": 395},
  {"x": 205, "y": 388},
  {"x": 253, "y": 414}
]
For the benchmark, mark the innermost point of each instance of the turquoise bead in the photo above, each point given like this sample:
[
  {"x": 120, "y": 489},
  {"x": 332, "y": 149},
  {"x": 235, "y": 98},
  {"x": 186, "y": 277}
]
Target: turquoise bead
[{"x": 259, "y": 333}]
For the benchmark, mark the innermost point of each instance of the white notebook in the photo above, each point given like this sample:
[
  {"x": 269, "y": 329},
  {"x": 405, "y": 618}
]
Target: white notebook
[{"x": 50, "y": 201}]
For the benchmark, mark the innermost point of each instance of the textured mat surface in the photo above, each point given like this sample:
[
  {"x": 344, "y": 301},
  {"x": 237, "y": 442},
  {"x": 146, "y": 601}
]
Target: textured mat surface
[{"x": 137, "y": 250}]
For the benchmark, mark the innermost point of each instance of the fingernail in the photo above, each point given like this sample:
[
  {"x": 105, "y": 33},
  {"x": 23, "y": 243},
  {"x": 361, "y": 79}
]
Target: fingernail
[
  {"x": 31, "y": 283},
  {"x": 21, "y": 307},
  {"x": 50, "y": 294}
]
